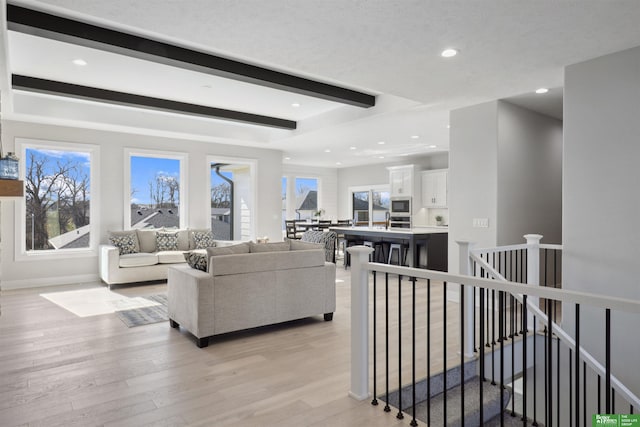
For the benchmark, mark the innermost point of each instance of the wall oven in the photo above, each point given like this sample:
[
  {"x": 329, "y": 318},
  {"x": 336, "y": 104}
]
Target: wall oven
[{"x": 400, "y": 215}]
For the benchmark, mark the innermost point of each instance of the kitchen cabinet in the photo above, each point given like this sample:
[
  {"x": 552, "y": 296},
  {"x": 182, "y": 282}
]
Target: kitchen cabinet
[
  {"x": 434, "y": 188},
  {"x": 401, "y": 180}
]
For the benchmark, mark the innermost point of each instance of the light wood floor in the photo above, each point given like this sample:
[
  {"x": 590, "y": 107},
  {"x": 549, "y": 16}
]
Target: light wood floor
[{"x": 57, "y": 369}]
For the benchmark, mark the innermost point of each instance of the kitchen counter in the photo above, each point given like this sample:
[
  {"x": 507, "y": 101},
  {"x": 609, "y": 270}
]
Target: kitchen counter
[{"x": 433, "y": 239}]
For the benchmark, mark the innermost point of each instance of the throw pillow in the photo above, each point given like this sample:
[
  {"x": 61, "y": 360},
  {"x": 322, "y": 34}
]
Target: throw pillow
[
  {"x": 196, "y": 260},
  {"x": 166, "y": 241},
  {"x": 126, "y": 243},
  {"x": 203, "y": 239},
  {"x": 147, "y": 239},
  {"x": 269, "y": 247}
]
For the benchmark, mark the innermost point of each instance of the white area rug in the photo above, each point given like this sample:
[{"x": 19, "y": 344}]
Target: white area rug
[{"x": 93, "y": 302}]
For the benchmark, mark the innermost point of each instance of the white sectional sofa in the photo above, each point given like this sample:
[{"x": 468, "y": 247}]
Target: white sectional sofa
[
  {"x": 146, "y": 263},
  {"x": 261, "y": 284}
]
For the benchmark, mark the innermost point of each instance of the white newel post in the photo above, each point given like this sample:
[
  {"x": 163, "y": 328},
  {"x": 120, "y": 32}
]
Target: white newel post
[
  {"x": 533, "y": 270},
  {"x": 465, "y": 269},
  {"x": 359, "y": 322}
]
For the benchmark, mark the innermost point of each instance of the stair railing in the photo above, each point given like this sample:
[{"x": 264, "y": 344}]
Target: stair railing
[{"x": 362, "y": 271}]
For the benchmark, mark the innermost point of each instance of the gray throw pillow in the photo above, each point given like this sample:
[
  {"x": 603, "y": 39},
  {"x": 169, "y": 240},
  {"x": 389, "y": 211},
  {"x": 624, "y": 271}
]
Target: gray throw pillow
[
  {"x": 125, "y": 241},
  {"x": 203, "y": 239},
  {"x": 166, "y": 241},
  {"x": 269, "y": 247},
  {"x": 196, "y": 260}
]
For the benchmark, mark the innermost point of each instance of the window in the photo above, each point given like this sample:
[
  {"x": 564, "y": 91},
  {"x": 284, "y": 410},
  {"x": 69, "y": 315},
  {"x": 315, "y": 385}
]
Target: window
[
  {"x": 369, "y": 206},
  {"x": 221, "y": 202},
  {"x": 284, "y": 201},
  {"x": 59, "y": 213},
  {"x": 306, "y": 197},
  {"x": 155, "y": 186}
]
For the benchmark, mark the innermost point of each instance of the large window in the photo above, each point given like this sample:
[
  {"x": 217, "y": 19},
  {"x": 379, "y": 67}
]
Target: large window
[
  {"x": 222, "y": 183},
  {"x": 58, "y": 208},
  {"x": 306, "y": 198},
  {"x": 155, "y": 188}
]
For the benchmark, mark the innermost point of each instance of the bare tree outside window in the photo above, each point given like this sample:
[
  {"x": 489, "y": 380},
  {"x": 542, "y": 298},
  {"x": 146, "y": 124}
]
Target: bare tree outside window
[{"x": 57, "y": 199}]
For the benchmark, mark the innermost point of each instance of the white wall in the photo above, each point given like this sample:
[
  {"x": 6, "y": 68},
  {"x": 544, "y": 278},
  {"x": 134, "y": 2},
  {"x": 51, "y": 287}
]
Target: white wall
[
  {"x": 48, "y": 271},
  {"x": 529, "y": 175},
  {"x": 473, "y": 176},
  {"x": 327, "y": 187},
  {"x": 602, "y": 198}
]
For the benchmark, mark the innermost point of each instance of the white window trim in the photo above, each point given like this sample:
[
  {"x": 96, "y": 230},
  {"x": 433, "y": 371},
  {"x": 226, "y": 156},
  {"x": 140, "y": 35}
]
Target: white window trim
[
  {"x": 158, "y": 154},
  {"x": 21, "y": 253},
  {"x": 253, "y": 166}
]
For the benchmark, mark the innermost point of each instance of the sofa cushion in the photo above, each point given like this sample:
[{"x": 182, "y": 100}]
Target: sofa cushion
[
  {"x": 196, "y": 260},
  {"x": 170, "y": 257},
  {"x": 139, "y": 259},
  {"x": 147, "y": 239},
  {"x": 269, "y": 247},
  {"x": 203, "y": 239},
  {"x": 241, "y": 248},
  {"x": 166, "y": 241},
  {"x": 299, "y": 245},
  {"x": 190, "y": 233},
  {"x": 125, "y": 241}
]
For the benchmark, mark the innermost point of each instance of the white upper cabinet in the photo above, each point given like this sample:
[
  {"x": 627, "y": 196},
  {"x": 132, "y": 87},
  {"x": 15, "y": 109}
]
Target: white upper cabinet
[
  {"x": 434, "y": 188},
  {"x": 401, "y": 180}
]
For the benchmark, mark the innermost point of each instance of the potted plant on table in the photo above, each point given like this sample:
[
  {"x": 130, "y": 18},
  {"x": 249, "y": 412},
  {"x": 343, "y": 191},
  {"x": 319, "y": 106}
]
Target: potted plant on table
[
  {"x": 439, "y": 220},
  {"x": 318, "y": 214}
]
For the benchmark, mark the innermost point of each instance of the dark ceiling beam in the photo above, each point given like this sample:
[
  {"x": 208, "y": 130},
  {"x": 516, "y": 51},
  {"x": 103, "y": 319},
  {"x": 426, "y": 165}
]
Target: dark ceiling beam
[
  {"x": 43, "y": 24},
  {"x": 51, "y": 87}
]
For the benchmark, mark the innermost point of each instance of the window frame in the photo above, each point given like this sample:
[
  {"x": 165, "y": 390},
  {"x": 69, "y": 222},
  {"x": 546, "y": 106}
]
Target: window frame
[
  {"x": 21, "y": 252},
  {"x": 182, "y": 157}
]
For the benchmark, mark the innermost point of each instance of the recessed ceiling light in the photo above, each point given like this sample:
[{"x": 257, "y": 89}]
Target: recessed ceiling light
[
  {"x": 79, "y": 62},
  {"x": 352, "y": 148},
  {"x": 295, "y": 105},
  {"x": 328, "y": 150},
  {"x": 338, "y": 163},
  {"x": 433, "y": 146},
  {"x": 448, "y": 126},
  {"x": 380, "y": 142},
  {"x": 542, "y": 90},
  {"x": 415, "y": 136},
  {"x": 287, "y": 158},
  {"x": 381, "y": 157},
  {"x": 449, "y": 53}
]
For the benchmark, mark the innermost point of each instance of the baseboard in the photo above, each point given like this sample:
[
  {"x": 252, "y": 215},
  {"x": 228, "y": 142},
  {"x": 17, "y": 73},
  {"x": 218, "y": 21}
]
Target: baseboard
[{"x": 48, "y": 281}]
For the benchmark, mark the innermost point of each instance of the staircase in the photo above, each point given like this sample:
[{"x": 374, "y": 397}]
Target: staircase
[{"x": 452, "y": 399}]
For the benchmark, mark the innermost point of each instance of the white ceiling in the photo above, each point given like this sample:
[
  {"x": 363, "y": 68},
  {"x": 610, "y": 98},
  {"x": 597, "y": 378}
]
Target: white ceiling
[{"x": 385, "y": 48}]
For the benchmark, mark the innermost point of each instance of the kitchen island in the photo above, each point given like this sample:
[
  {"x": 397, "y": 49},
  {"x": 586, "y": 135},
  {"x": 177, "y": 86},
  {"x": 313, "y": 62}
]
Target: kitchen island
[{"x": 432, "y": 239}]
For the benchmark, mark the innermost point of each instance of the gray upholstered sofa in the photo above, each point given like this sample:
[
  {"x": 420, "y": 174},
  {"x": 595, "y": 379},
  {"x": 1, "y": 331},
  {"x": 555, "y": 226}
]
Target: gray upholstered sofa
[{"x": 246, "y": 290}]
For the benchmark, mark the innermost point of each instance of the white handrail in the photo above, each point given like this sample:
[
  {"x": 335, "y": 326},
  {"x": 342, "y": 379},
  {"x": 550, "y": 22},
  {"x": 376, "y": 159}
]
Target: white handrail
[{"x": 566, "y": 338}]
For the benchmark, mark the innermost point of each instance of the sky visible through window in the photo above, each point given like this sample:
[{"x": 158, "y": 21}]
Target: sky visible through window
[{"x": 145, "y": 170}]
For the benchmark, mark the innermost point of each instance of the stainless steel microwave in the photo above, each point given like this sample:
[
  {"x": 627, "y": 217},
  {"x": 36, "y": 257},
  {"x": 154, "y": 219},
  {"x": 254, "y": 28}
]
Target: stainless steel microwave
[{"x": 401, "y": 205}]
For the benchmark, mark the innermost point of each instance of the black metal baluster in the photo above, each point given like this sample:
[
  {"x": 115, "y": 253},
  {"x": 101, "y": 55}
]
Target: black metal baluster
[
  {"x": 578, "y": 366},
  {"x": 513, "y": 365},
  {"x": 413, "y": 422},
  {"x": 374, "y": 401},
  {"x": 493, "y": 335},
  {"x": 558, "y": 380},
  {"x": 571, "y": 389},
  {"x": 482, "y": 378},
  {"x": 428, "y": 351},
  {"x": 524, "y": 363},
  {"x": 535, "y": 363},
  {"x": 399, "y": 415},
  {"x": 461, "y": 354},
  {"x": 387, "y": 408},
  {"x": 549, "y": 371},
  {"x": 631, "y": 409},
  {"x": 584, "y": 394},
  {"x": 607, "y": 360},
  {"x": 475, "y": 342},
  {"x": 501, "y": 314},
  {"x": 444, "y": 351},
  {"x": 599, "y": 395}
]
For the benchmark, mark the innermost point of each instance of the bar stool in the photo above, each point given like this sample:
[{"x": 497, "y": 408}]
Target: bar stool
[
  {"x": 378, "y": 251},
  {"x": 401, "y": 250}
]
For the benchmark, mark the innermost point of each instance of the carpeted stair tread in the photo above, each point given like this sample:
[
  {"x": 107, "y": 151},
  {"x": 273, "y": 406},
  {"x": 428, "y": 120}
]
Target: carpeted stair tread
[{"x": 491, "y": 397}]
